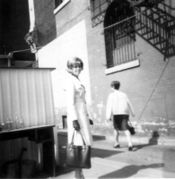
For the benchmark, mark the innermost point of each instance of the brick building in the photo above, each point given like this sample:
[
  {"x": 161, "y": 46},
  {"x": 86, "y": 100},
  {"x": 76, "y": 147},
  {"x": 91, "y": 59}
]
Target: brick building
[{"x": 131, "y": 41}]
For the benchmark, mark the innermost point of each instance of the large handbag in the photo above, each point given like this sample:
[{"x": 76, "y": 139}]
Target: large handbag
[
  {"x": 131, "y": 128},
  {"x": 78, "y": 156}
]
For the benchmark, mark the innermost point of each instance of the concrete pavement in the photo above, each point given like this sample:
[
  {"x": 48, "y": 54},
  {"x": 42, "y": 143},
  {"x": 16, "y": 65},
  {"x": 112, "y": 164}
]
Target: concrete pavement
[
  {"x": 146, "y": 161},
  {"x": 103, "y": 168}
]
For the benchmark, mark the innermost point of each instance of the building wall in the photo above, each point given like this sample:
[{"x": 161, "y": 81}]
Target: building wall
[
  {"x": 149, "y": 86},
  {"x": 70, "y": 15},
  {"x": 1, "y": 48},
  {"x": 44, "y": 21},
  {"x": 55, "y": 54}
]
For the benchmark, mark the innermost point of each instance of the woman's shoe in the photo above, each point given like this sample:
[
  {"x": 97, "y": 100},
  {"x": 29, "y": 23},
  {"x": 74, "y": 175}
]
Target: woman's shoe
[{"x": 117, "y": 146}]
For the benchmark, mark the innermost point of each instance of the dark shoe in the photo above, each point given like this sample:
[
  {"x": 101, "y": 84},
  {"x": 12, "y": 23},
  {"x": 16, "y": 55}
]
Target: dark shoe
[
  {"x": 116, "y": 146},
  {"x": 130, "y": 148}
]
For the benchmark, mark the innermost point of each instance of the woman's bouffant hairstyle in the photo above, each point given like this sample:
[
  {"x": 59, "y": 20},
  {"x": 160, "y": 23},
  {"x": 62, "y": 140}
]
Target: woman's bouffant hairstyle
[
  {"x": 74, "y": 61},
  {"x": 115, "y": 84}
]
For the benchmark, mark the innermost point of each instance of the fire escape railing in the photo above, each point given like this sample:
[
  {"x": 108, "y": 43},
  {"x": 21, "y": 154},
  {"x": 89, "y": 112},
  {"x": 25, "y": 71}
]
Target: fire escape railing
[{"x": 157, "y": 26}]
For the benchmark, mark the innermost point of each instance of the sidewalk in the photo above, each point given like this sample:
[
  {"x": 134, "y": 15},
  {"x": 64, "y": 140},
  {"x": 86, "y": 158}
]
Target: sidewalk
[
  {"x": 103, "y": 168},
  {"x": 146, "y": 161}
]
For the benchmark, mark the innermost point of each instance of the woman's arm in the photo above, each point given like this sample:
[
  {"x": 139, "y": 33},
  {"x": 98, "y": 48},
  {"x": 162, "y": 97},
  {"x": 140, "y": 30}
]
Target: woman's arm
[{"x": 70, "y": 98}]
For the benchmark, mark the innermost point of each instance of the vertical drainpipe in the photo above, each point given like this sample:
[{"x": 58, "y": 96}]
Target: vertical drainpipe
[
  {"x": 31, "y": 33},
  {"x": 31, "y": 15}
]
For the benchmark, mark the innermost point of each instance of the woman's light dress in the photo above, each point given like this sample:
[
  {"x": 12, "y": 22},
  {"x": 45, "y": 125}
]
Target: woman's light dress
[{"x": 76, "y": 109}]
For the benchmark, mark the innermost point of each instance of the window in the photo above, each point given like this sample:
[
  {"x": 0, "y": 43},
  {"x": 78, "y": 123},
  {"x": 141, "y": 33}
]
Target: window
[
  {"x": 119, "y": 31},
  {"x": 59, "y": 4},
  {"x": 98, "y": 8}
]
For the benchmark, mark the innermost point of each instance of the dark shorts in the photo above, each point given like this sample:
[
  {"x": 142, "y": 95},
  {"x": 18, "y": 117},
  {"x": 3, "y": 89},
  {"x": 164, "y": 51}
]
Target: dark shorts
[{"x": 120, "y": 122}]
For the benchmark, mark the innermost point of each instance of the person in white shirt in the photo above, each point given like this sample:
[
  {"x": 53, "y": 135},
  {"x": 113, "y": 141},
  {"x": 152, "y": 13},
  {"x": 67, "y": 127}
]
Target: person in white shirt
[{"x": 119, "y": 109}]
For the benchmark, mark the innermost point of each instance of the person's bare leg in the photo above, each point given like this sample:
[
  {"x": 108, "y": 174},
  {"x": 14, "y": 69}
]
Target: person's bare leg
[
  {"x": 128, "y": 136},
  {"x": 116, "y": 137}
]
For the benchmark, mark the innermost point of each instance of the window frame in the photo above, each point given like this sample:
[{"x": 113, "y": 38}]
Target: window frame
[
  {"x": 59, "y": 7},
  {"x": 120, "y": 44},
  {"x": 124, "y": 65}
]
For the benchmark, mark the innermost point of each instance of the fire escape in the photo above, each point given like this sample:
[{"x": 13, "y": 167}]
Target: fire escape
[{"x": 156, "y": 24}]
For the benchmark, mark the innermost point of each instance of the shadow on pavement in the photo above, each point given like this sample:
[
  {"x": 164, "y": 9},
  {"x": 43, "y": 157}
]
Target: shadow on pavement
[
  {"x": 103, "y": 153},
  {"x": 130, "y": 170},
  {"x": 140, "y": 146},
  {"x": 98, "y": 137},
  {"x": 152, "y": 141},
  {"x": 59, "y": 171}
]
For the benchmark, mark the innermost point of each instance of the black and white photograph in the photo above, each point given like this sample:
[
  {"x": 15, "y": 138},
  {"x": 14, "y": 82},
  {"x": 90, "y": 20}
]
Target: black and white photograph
[{"x": 87, "y": 89}]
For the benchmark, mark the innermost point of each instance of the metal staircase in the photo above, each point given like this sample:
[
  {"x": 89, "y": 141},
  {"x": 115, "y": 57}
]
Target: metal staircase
[{"x": 156, "y": 25}]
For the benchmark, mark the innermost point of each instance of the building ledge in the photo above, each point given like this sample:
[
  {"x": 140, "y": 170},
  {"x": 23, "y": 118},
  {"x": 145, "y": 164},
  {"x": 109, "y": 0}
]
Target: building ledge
[{"x": 125, "y": 66}]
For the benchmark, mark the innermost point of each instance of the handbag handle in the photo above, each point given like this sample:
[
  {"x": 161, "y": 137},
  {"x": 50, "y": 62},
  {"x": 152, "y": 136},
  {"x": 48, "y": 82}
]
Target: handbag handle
[
  {"x": 81, "y": 137},
  {"x": 130, "y": 123}
]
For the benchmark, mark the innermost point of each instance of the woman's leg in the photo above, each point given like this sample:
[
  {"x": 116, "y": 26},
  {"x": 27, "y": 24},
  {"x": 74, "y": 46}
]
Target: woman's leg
[
  {"x": 116, "y": 131},
  {"x": 116, "y": 137},
  {"x": 79, "y": 173},
  {"x": 128, "y": 136}
]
